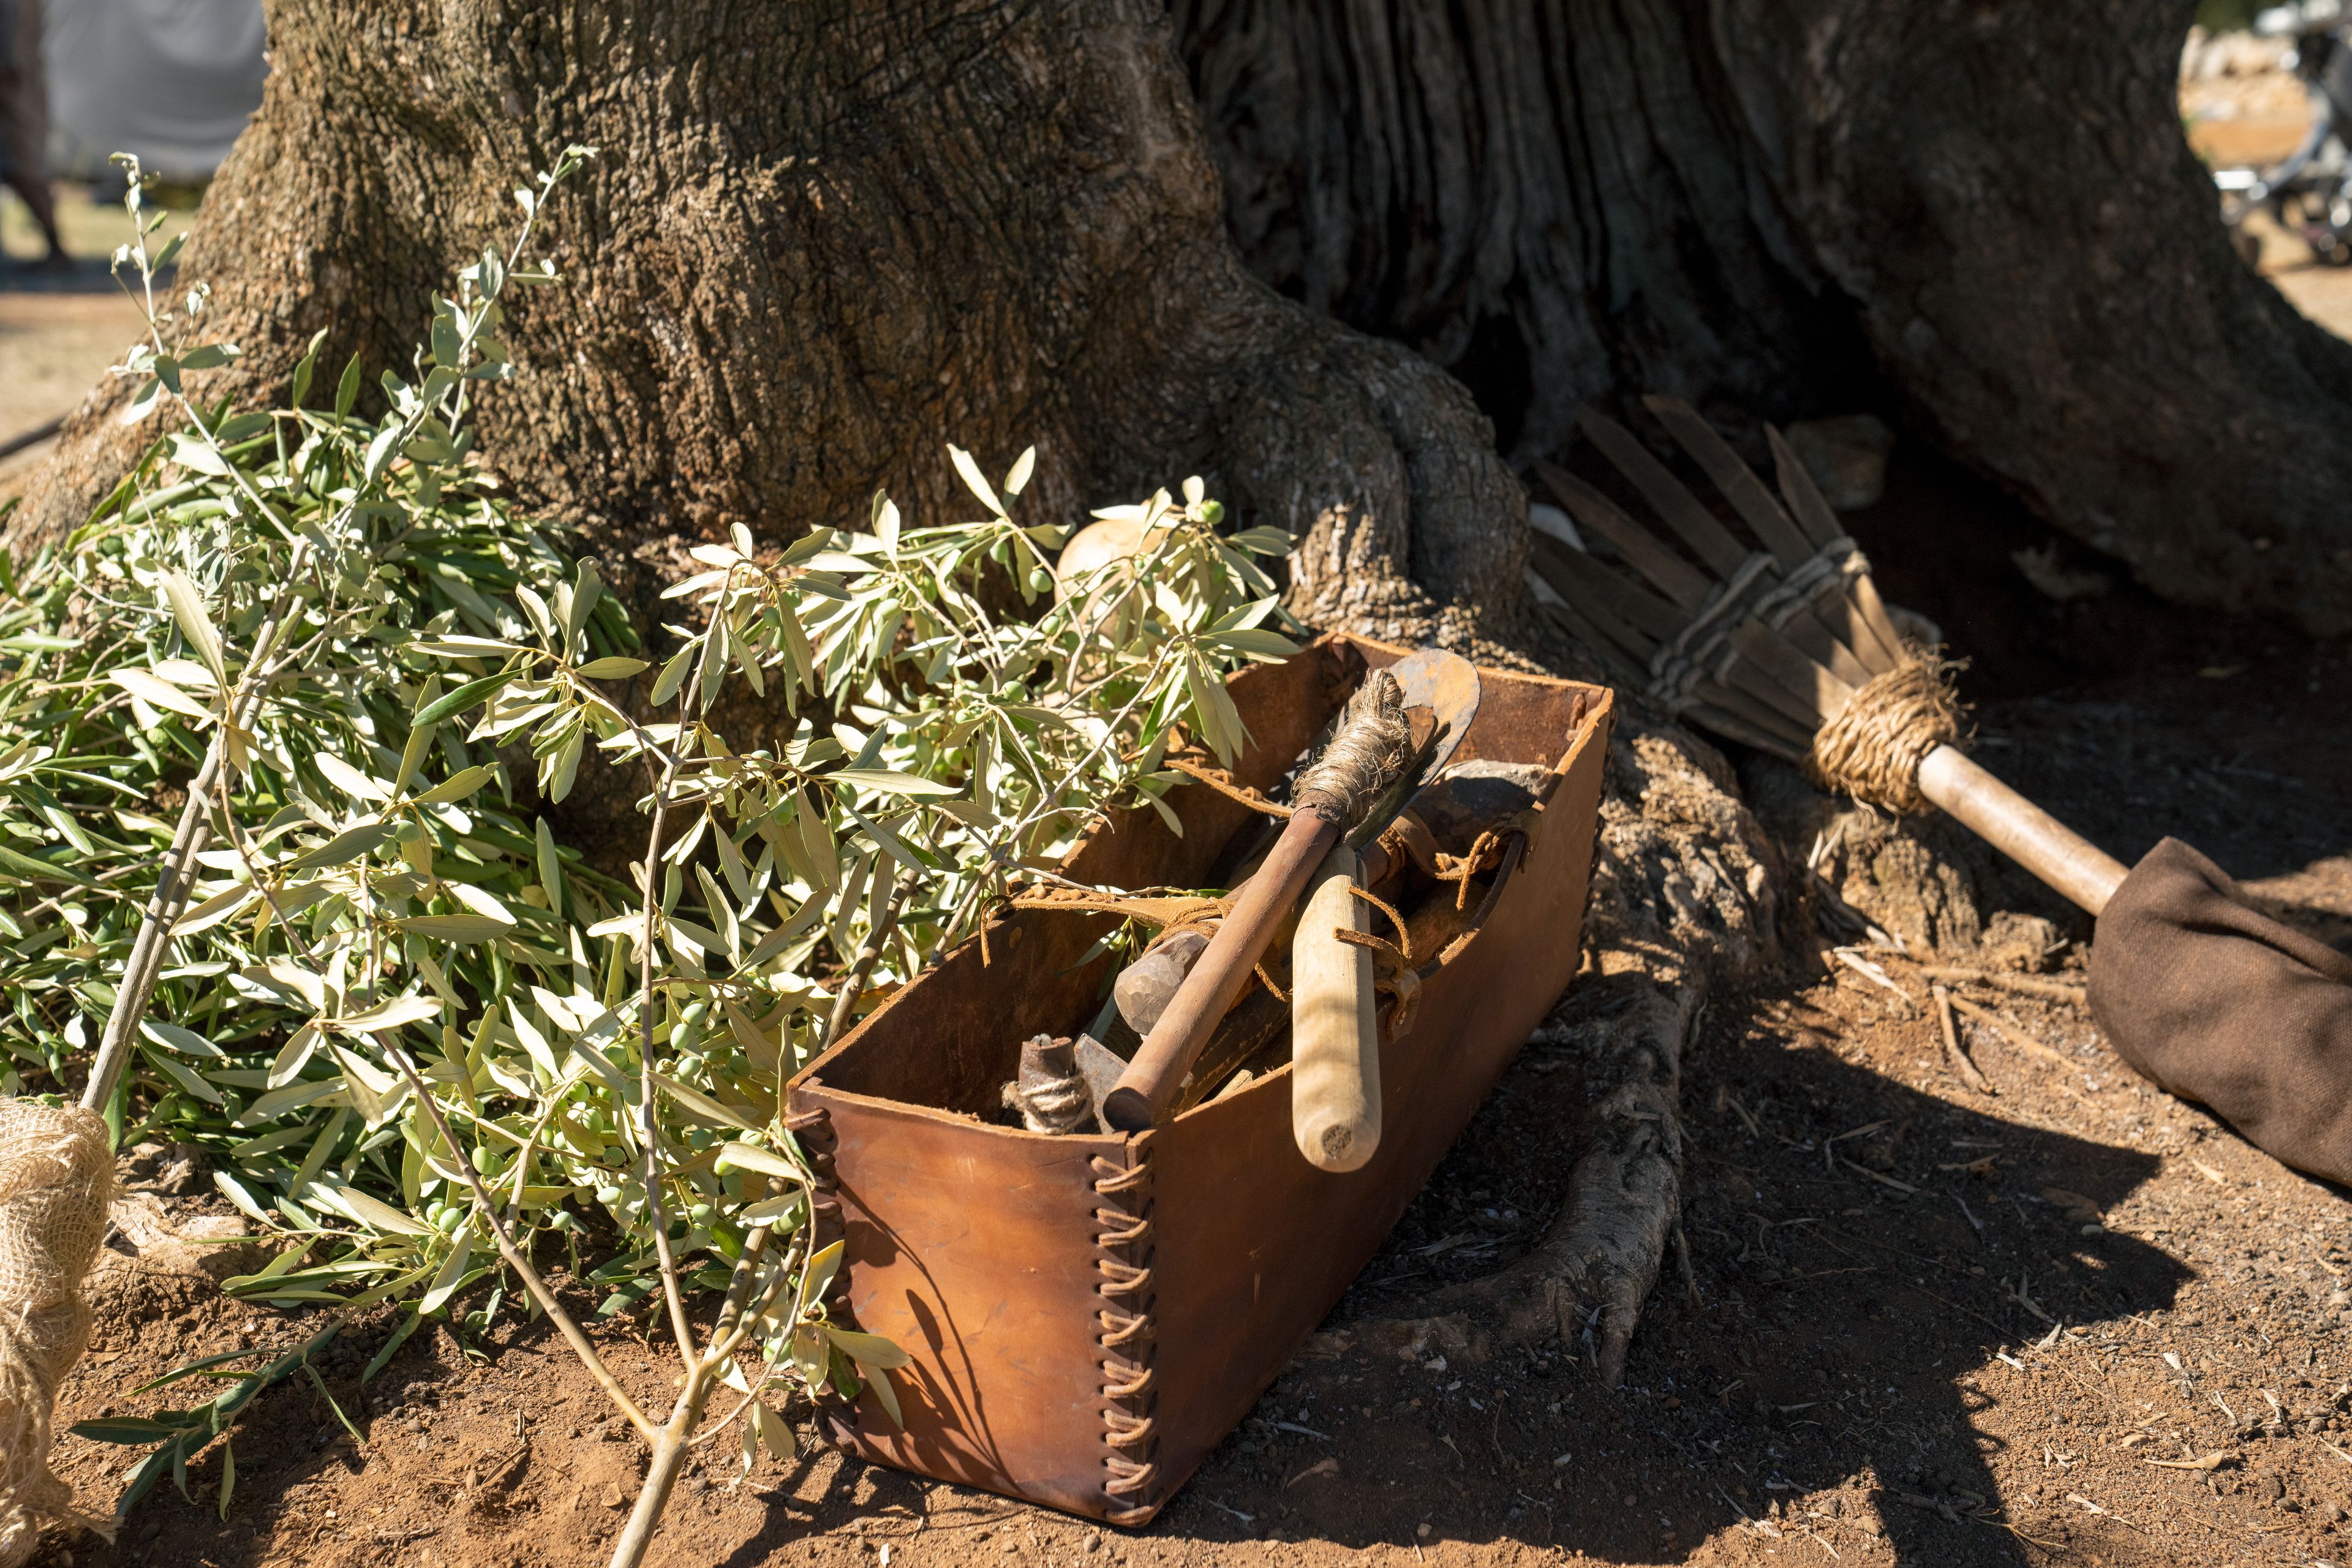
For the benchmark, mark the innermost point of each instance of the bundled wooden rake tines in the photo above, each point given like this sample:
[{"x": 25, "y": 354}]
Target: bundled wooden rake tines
[{"x": 1784, "y": 642}]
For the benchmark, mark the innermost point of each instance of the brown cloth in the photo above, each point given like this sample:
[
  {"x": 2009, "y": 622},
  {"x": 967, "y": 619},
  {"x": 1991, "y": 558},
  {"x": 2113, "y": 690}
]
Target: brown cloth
[{"x": 2219, "y": 1004}]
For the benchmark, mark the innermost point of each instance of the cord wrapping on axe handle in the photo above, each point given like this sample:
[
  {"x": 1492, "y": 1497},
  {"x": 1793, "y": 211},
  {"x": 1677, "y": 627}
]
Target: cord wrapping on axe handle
[
  {"x": 1370, "y": 747},
  {"x": 1370, "y": 751}
]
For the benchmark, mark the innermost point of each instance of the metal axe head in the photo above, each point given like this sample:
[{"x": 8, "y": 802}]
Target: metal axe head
[
  {"x": 1444, "y": 688},
  {"x": 1099, "y": 1066},
  {"x": 1445, "y": 684}
]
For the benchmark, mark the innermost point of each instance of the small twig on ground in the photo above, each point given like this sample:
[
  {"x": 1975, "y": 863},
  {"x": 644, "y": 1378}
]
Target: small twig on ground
[
  {"x": 2106, "y": 1512},
  {"x": 2016, "y": 1036},
  {"x": 1991, "y": 1520},
  {"x": 1690, "y": 1275},
  {"x": 1724, "y": 1097},
  {"x": 1956, "y": 1053},
  {"x": 1828, "y": 1144},
  {"x": 2024, "y": 984},
  {"x": 1904, "y": 1187},
  {"x": 1826, "y": 1236},
  {"x": 1871, "y": 972}
]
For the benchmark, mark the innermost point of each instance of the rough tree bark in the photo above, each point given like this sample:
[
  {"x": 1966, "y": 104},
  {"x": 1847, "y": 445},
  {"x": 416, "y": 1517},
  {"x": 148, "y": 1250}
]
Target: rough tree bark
[
  {"x": 821, "y": 241},
  {"x": 1552, "y": 200},
  {"x": 1751, "y": 204}
]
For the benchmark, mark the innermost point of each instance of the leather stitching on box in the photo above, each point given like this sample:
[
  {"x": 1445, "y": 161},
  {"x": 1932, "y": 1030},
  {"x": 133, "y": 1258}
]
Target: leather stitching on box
[{"x": 1123, "y": 1258}]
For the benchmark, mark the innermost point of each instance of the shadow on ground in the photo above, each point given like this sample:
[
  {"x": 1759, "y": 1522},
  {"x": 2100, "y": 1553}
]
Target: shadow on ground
[
  {"x": 1863, "y": 1252},
  {"x": 1829, "y": 1345}
]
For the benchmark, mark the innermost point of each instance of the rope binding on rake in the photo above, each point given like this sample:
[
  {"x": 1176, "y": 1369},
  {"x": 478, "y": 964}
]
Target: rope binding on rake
[{"x": 1871, "y": 749}]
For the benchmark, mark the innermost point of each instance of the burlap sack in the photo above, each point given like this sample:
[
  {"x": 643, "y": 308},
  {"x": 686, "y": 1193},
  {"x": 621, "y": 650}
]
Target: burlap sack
[
  {"x": 57, "y": 1177},
  {"x": 2218, "y": 1003}
]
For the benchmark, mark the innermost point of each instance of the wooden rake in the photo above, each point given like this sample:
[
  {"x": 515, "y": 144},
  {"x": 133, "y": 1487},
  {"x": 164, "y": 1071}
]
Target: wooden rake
[{"x": 1779, "y": 641}]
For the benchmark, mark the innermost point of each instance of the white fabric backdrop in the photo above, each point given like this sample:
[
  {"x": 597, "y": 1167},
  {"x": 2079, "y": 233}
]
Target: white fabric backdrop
[{"x": 171, "y": 80}]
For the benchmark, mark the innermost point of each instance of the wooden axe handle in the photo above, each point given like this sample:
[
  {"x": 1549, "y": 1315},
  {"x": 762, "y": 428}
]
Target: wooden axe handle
[
  {"x": 1335, "y": 1031},
  {"x": 1148, "y": 1087}
]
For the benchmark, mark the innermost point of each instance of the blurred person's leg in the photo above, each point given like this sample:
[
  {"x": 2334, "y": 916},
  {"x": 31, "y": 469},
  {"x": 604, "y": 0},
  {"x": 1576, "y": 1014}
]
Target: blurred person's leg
[{"x": 25, "y": 117}]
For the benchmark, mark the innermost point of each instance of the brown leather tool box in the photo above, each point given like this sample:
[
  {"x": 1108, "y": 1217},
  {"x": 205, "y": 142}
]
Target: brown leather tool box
[{"x": 1089, "y": 1316}]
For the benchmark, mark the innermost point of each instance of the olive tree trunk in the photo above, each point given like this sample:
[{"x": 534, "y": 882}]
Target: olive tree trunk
[{"x": 821, "y": 241}]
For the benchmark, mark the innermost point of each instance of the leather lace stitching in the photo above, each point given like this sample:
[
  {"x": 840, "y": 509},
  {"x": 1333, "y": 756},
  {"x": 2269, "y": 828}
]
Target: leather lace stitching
[{"x": 1123, "y": 1258}]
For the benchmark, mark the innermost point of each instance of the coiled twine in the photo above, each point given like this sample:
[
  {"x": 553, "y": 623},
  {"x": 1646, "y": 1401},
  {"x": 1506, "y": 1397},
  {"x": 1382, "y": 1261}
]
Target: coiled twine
[
  {"x": 1370, "y": 747},
  {"x": 1871, "y": 750}
]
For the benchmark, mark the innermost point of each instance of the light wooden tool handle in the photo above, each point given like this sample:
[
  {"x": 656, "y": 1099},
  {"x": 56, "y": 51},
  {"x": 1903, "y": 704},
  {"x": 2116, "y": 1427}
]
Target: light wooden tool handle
[
  {"x": 1334, "y": 1034},
  {"x": 2020, "y": 829}
]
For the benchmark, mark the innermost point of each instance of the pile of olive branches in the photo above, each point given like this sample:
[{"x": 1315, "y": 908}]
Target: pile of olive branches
[{"x": 416, "y": 1032}]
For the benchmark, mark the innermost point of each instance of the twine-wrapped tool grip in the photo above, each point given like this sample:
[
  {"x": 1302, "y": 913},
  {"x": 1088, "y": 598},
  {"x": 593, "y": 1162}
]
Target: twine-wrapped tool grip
[
  {"x": 57, "y": 1179},
  {"x": 1048, "y": 1091},
  {"x": 1369, "y": 748},
  {"x": 1892, "y": 745},
  {"x": 1872, "y": 748}
]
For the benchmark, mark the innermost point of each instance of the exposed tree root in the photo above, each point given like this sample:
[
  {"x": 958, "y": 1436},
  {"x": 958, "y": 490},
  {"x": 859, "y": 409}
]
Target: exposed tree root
[
  {"x": 1587, "y": 1278},
  {"x": 1682, "y": 901}
]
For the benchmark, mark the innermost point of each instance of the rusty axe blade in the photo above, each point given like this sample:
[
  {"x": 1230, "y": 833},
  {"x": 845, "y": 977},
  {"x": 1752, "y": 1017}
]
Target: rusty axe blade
[{"x": 1447, "y": 684}]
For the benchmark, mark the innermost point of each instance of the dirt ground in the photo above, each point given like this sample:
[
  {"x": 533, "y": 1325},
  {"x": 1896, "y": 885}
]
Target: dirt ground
[
  {"x": 55, "y": 345},
  {"x": 2073, "y": 1321}
]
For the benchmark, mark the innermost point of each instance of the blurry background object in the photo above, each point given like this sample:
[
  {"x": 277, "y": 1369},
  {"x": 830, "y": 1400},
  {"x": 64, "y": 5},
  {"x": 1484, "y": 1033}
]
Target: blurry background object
[
  {"x": 1846, "y": 455},
  {"x": 25, "y": 117},
  {"x": 2308, "y": 195},
  {"x": 171, "y": 80}
]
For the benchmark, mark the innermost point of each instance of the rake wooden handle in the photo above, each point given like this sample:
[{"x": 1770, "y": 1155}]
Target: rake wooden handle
[{"x": 2020, "y": 829}]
